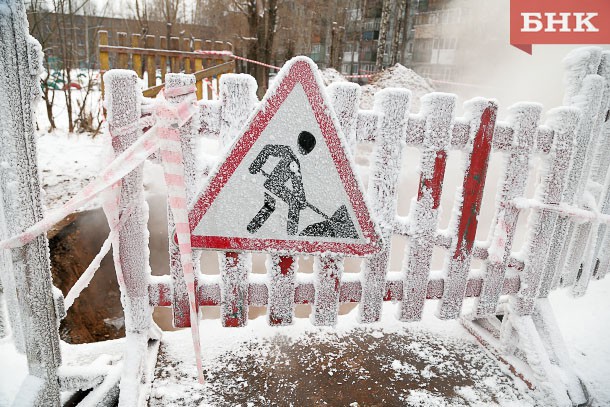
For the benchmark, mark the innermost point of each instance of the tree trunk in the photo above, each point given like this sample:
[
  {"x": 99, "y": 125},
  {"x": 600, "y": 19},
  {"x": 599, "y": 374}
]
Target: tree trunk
[
  {"x": 383, "y": 33},
  {"x": 401, "y": 13}
]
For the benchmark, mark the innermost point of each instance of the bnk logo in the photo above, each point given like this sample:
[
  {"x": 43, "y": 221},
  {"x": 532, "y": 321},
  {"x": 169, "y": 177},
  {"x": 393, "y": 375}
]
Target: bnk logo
[{"x": 559, "y": 22}]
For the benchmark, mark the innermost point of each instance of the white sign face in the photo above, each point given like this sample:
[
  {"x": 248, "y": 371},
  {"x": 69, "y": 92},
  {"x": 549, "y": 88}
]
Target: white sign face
[{"x": 287, "y": 184}]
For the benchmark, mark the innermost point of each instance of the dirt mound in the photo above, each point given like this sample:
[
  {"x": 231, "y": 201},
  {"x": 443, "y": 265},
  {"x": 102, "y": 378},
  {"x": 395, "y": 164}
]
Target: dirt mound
[
  {"x": 331, "y": 75},
  {"x": 397, "y": 76}
]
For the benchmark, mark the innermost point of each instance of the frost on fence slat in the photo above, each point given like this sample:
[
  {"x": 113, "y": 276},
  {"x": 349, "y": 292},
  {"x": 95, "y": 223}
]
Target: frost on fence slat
[
  {"x": 523, "y": 118},
  {"x": 601, "y": 178},
  {"x": 328, "y": 270},
  {"x": 583, "y": 251},
  {"x": 584, "y": 90},
  {"x": 589, "y": 101},
  {"x": 180, "y": 299},
  {"x": 209, "y": 118},
  {"x": 234, "y": 270},
  {"x": 20, "y": 193},
  {"x": 563, "y": 122},
  {"x": 345, "y": 98},
  {"x": 123, "y": 101},
  {"x": 366, "y": 125},
  {"x": 237, "y": 99},
  {"x": 438, "y": 111},
  {"x": 281, "y": 272},
  {"x": 481, "y": 119},
  {"x": 393, "y": 106}
]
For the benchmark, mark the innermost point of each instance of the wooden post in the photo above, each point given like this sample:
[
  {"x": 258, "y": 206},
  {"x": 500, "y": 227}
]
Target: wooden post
[
  {"x": 523, "y": 120},
  {"x": 540, "y": 226},
  {"x": 218, "y": 46},
  {"x": 151, "y": 66},
  {"x": 180, "y": 299},
  {"x": 209, "y": 46},
  {"x": 589, "y": 103},
  {"x": 186, "y": 46},
  {"x": 174, "y": 43},
  {"x": 163, "y": 59},
  {"x": 481, "y": 115},
  {"x": 136, "y": 58},
  {"x": 104, "y": 60},
  {"x": 282, "y": 285},
  {"x": 329, "y": 269},
  {"x": 3, "y": 323},
  {"x": 237, "y": 101},
  {"x": 20, "y": 192},
  {"x": 327, "y": 282},
  {"x": 381, "y": 194},
  {"x": 123, "y": 60},
  {"x": 199, "y": 67},
  {"x": 123, "y": 102},
  {"x": 9, "y": 293},
  {"x": 424, "y": 212}
]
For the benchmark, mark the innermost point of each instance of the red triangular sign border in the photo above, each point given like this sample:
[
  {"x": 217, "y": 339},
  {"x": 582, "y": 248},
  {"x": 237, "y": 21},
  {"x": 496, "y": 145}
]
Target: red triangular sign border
[{"x": 300, "y": 70}]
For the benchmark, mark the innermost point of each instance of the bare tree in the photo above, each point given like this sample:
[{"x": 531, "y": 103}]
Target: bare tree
[
  {"x": 383, "y": 33},
  {"x": 400, "y": 18},
  {"x": 58, "y": 23},
  {"x": 262, "y": 19}
]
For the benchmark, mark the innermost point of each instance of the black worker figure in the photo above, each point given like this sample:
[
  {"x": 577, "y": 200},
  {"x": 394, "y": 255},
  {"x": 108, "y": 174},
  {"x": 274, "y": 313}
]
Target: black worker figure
[{"x": 285, "y": 182}]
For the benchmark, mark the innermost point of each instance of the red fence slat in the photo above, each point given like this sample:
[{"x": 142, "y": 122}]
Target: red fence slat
[
  {"x": 460, "y": 254},
  {"x": 438, "y": 113}
]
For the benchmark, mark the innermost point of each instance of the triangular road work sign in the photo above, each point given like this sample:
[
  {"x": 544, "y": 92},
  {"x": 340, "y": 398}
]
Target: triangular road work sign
[{"x": 287, "y": 184}]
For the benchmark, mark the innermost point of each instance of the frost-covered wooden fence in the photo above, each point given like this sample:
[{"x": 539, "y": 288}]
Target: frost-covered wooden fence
[
  {"x": 567, "y": 242},
  {"x": 149, "y": 55}
]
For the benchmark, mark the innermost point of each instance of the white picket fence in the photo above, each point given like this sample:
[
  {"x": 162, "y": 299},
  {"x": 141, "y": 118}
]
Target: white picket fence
[{"x": 567, "y": 243}]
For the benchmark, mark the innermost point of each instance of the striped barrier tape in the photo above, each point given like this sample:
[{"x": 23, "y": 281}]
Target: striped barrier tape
[{"x": 163, "y": 136}]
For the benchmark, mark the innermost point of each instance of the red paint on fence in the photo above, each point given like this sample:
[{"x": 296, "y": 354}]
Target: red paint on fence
[
  {"x": 285, "y": 264},
  {"x": 474, "y": 183},
  {"x": 234, "y": 305},
  {"x": 434, "y": 184}
]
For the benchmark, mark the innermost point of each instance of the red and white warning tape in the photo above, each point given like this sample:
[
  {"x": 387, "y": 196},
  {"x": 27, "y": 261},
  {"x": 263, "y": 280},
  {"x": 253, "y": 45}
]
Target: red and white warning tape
[
  {"x": 173, "y": 165},
  {"x": 232, "y": 55},
  {"x": 163, "y": 136}
]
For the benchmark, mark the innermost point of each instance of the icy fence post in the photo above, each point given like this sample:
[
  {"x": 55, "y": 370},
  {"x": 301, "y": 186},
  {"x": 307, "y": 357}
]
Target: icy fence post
[
  {"x": 599, "y": 183},
  {"x": 180, "y": 300},
  {"x": 481, "y": 117},
  {"x": 20, "y": 65},
  {"x": 345, "y": 98},
  {"x": 328, "y": 269},
  {"x": 603, "y": 236},
  {"x": 282, "y": 285},
  {"x": 237, "y": 99},
  {"x": 3, "y": 323},
  {"x": 123, "y": 101},
  {"x": 579, "y": 251},
  {"x": 588, "y": 98},
  {"x": 563, "y": 122},
  {"x": 9, "y": 292},
  {"x": 393, "y": 105},
  {"x": 523, "y": 119},
  {"x": 437, "y": 111}
]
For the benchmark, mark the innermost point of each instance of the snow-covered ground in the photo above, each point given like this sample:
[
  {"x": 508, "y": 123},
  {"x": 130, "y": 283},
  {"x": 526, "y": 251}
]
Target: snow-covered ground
[{"x": 585, "y": 324}]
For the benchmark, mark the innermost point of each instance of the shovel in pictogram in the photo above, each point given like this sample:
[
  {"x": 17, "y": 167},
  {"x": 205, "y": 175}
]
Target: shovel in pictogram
[{"x": 337, "y": 225}]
